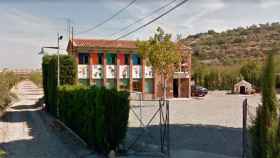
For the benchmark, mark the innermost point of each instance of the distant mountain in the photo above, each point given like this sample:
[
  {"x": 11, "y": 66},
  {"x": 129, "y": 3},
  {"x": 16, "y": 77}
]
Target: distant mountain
[{"x": 234, "y": 46}]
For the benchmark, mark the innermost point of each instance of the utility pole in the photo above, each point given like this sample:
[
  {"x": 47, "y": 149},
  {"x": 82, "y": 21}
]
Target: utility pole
[
  {"x": 68, "y": 28},
  {"x": 72, "y": 38}
]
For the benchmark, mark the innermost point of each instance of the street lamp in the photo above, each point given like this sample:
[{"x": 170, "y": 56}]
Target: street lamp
[
  {"x": 59, "y": 37},
  {"x": 42, "y": 49}
]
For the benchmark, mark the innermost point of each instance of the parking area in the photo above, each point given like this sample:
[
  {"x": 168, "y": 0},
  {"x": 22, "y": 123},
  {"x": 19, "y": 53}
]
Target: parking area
[
  {"x": 209, "y": 126},
  {"x": 217, "y": 108}
]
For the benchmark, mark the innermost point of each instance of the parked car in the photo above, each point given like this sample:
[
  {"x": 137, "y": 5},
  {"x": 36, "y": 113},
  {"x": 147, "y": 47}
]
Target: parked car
[{"x": 198, "y": 91}]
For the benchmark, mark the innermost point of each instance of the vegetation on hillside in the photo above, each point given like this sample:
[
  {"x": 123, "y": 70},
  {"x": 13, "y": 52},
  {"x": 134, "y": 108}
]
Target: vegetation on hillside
[
  {"x": 234, "y": 46},
  {"x": 223, "y": 77},
  {"x": 221, "y": 59}
]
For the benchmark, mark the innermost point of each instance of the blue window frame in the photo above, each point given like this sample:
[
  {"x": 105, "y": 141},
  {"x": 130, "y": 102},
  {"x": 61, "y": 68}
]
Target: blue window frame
[
  {"x": 83, "y": 58},
  {"x": 136, "y": 60}
]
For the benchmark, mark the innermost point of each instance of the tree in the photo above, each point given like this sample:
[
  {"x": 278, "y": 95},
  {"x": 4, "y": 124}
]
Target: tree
[
  {"x": 264, "y": 129},
  {"x": 251, "y": 72},
  {"x": 162, "y": 54}
]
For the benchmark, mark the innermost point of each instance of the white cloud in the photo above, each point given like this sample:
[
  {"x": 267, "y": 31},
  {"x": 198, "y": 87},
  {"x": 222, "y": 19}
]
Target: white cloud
[
  {"x": 22, "y": 35},
  {"x": 269, "y": 3}
]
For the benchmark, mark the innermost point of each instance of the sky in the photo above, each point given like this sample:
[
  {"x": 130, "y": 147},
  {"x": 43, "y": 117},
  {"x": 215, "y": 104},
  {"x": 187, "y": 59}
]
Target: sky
[{"x": 28, "y": 25}]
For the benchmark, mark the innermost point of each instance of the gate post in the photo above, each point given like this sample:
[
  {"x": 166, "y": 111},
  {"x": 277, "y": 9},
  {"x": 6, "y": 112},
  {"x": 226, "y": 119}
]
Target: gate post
[
  {"x": 168, "y": 134},
  {"x": 244, "y": 129}
]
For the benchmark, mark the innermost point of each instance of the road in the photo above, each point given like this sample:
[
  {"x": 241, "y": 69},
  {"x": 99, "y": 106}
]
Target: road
[{"x": 28, "y": 132}]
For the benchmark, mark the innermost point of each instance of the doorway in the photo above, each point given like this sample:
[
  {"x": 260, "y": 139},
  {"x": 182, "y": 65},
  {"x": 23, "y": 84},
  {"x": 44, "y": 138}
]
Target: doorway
[
  {"x": 175, "y": 88},
  {"x": 242, "y": 90}
]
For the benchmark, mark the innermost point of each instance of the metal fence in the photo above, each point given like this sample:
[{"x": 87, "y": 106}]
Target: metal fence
[{"x": 148, "y": 132}]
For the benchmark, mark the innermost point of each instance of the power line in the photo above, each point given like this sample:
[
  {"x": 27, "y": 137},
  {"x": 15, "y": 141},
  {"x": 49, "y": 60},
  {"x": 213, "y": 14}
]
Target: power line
[
  {"x": 143, "y": 18},
  {"x": 108, "y": 19},
  {"x": 151, "y": 21}
]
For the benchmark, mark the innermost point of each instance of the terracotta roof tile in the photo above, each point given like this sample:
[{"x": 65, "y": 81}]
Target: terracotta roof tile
[{"x": 104, "y": 43}]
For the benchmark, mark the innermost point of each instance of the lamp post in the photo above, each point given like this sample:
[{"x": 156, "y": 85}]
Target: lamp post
[{"x": 59, "y": 37}]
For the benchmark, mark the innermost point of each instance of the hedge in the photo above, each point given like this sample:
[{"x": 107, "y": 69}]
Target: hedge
[
  {"x": 68, "y": 75},
  {"x": 98, "y": 115}
]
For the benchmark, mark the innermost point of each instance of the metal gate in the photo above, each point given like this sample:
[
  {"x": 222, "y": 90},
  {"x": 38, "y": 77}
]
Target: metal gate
[{"x": 148, "y": 132}]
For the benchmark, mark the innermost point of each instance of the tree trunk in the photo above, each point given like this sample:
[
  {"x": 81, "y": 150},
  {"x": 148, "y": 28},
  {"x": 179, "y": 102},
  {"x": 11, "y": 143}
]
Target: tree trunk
[{"x": 164, "y": 89}]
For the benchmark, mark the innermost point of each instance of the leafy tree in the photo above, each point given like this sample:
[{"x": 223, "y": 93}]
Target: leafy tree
[
  {"x": 264, "y": 129},
  {"x": 162, "y": 54}
]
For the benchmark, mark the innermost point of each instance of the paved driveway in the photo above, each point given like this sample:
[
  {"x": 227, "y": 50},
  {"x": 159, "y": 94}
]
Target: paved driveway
[{"x": 209, "y": 127}]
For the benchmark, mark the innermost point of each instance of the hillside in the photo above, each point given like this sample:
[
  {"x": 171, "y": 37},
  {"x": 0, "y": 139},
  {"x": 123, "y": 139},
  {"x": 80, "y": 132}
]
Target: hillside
[{"x": 233, "y": 46}]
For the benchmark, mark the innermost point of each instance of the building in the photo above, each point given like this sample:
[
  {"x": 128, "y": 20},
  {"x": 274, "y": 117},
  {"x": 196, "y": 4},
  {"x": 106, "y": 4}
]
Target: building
[
  {"x": 243, "y": 87},
  {"x": 112, "y": 63}
]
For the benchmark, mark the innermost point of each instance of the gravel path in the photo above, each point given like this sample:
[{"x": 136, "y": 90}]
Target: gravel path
[{"x": 27, "y": 132}]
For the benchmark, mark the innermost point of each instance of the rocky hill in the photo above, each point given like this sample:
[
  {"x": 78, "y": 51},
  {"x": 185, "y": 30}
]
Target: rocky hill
[{"x": 234, "y": 46}]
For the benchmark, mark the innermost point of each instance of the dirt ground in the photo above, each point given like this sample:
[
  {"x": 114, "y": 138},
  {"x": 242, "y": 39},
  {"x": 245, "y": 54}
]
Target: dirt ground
[{"x": 209, "y": 126}]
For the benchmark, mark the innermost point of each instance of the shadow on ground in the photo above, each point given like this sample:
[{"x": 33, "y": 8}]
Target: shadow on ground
[
  {"x": 204, "y": 138},
  {"x": 44, "y": 138}
]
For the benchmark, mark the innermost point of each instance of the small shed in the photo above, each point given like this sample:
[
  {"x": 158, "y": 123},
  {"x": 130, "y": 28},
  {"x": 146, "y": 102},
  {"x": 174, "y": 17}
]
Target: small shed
[{"x": 243, "y": 87}]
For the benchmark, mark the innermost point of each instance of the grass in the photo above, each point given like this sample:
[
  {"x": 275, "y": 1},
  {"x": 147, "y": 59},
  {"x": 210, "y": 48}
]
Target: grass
[{"x": 2, "y": 153}]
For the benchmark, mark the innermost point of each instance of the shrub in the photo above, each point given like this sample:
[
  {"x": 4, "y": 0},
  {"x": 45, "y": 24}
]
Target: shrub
[
  {"x": 100, "y": 121},
  {"x": 36, "y": 77},
  {"x": 68, "y": 75},
  {"x": 111, "y": 118},
  {"x": 7, "y": 81}
]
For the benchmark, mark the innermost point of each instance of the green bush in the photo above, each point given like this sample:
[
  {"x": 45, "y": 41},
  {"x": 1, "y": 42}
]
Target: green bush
[
  {"x": 216, "y": 77},
  {"x": 100, "y": 121},
  {"x": 68, "y": 75},
  {"x": 111, "y": 118}
]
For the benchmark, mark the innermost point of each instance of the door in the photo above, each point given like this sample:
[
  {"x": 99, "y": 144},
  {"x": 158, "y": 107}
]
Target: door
[
  {"x": 175, "y": 88},
  {"x": 242, "y": 90}
]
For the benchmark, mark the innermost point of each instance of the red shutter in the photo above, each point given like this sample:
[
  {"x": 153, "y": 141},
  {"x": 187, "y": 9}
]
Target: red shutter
[
  {"x": 94, "y": 58},
  {"x": 121, "y": 58}
]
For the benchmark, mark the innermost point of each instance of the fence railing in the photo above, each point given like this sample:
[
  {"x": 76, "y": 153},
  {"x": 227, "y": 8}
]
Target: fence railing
[{"x": 149, "y": 126}]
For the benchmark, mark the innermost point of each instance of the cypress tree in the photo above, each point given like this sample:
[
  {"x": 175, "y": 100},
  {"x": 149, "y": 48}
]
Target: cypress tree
[{"x": 264, "y": 129}]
